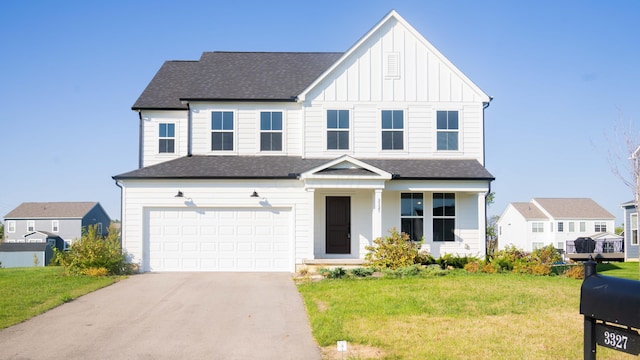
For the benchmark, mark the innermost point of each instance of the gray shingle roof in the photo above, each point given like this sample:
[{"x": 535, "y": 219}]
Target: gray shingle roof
[
  {"x": 45, "y": 210},
  {"x": 17, "y": 247},
  {"x": 529, "y": 211},
  {"x": 573, "y": 208},
  {"x": 281, "y": 167},
  {"x": 271, "y": 76}
]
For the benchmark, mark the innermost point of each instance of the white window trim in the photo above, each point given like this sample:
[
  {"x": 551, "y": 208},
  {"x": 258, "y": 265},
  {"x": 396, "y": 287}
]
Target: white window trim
[
  {"x": 175, "y": 138},
  {"x": 11, "y": 226},
  {"x": 539, "y": 225},
  {"x": 349, "y": 130},
  {"x": 284, "y": 133},
  {"x": 55, "y": 226},
  {"x": 235, "y": 132},
  {"x": 405, "y": 131},
  {"x": 460, "y": 131},
  {"x": 31, "y": 225},
  {"x": 454, "y": 217}
]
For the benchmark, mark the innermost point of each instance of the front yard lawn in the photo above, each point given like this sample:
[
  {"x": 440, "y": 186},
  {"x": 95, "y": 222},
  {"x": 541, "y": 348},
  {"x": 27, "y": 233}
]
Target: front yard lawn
[
  {"x": 457, "y": 316},
  {"x": 27, "y": 292}
]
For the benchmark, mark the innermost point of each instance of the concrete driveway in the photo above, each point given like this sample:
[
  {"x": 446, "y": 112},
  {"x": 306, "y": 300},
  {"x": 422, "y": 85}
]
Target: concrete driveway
[{"x": 172, "y": 316}]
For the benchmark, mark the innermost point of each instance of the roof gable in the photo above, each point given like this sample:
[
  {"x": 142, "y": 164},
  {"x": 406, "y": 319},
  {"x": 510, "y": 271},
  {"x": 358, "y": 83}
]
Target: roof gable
[
  {"x": 346, "y": 167},
  {"x": 54, "y": 210},
  {"x": 433, "y": 58},
  {"x": 529, "y": 211}
]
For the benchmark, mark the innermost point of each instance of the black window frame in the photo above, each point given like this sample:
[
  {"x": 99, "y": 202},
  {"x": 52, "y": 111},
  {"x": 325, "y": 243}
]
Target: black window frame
[
  {"x": 222, "y": 135},
  {"x": 412, "y": 215},
  {"x": 447, "y": 130},
  {"x": 337, "y": 132},
  {"x": 444, "y": 216},
  {"x": 392, "y": 125}
]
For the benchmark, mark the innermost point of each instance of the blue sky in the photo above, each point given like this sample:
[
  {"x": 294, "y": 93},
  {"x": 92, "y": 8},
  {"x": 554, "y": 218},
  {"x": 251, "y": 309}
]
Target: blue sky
[{"x": 560, "y": 72}]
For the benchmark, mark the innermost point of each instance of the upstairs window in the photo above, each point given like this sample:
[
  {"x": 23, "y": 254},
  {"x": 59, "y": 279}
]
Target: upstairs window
[
  {"x": 167, "y": 138},
  {"x": 572, "y": 227},
  {"x": 444, "y": 216},
  {"x": 447, "y": 124},
  {"x": 222, "y": 131},
  {"x": 31, "y": 225},
  {"x": 11, "y": 226},
  {"x": 337, "y": 129},
  {"x": 392, "y": 129},
  {"x": 55, "y": 226},
  {"x": 560, "y": 226},
  {"x": 537, "y": 227},
  {"x": 600, "y": 226},
  {"x": 411, "y": 215},
  {"x": 583, "y": 226},
  {"x": 271, "y": 131}
]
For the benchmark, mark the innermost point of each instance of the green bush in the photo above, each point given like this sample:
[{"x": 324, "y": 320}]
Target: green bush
[
  {"x": 93, "y": 251},
  {"x": 507, "y": 259},
  {"x": 547, "y": 255},
  {"x": 337, "y": 273},
  {"x": 392, "y": 252},
  {"x": 361, "y": 272},
  {"x": 455, "y": 261}
]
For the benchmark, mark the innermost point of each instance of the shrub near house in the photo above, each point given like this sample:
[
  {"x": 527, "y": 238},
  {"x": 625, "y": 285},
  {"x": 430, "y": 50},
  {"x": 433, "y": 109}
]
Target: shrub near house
[{"x": 95, "y": 255}]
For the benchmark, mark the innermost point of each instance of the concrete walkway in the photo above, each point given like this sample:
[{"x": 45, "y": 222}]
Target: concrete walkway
[{"x": 173, "y": 316}]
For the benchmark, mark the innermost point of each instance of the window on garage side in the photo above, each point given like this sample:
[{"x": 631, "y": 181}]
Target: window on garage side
[
  {"x": 337, "y": 129},
  {"x": 444, "y": 216},
  {"x": 167, "y": 138},
  {"x": 392, "y": 129},
  {"x": 271, "y": 131},
  {"x": 600, "y": 226},
  {"x": 55, "y": 226},
  {"x": 412, "y": 215},
  {"x": 222, "y": 131}
]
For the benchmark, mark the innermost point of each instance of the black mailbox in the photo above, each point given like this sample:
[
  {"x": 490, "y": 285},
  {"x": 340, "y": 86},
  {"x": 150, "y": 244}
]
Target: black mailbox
[
  {"x": 611, "y": 299},
  {"x": 611, "y": 309}
]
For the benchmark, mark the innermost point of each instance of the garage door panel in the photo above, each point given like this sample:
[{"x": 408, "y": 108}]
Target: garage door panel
[{"x": 218, "y": 240}]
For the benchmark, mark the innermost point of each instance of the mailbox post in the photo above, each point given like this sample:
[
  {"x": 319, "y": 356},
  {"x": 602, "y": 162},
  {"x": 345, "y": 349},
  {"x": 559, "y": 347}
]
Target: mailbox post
[{"x": 611, "y": 312}]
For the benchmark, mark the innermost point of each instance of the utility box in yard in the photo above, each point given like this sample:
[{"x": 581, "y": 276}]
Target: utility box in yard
[{"x": 611, "y": 309}]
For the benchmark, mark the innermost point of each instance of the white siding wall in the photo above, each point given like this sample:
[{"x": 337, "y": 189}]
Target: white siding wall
[
  {"x": 150, "y": 131},
  {"x": 246, "y": 127},
  {"x": 427, "y": 83},
  {"x": 138, "y": 194},
  {"x": 512, "y": 229}
]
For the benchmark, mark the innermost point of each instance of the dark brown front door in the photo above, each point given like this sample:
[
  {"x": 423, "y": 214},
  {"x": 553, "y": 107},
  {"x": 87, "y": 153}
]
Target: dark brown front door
[{"x": 338, "y": 225}]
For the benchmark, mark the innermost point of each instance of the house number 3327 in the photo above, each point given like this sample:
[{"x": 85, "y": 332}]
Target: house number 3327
[{"x": 615, "y": 340}]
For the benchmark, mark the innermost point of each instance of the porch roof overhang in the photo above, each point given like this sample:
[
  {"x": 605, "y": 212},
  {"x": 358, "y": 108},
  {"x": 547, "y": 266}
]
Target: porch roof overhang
[{"x": 341, "y": 171}]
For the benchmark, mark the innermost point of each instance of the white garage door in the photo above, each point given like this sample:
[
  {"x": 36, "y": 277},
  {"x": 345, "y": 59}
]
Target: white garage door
[{"x": 218, "y": 240}]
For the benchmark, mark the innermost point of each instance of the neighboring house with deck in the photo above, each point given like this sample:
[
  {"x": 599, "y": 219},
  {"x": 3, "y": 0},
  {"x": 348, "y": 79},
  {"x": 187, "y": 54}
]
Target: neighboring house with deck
[
  {"x": 32, "y": 226},
  {"x": 558, "y": 222},
  {"x": 272, "y": 161}
]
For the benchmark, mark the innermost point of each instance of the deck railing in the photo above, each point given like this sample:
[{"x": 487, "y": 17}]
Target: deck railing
[{"x": 601, "y": 246}]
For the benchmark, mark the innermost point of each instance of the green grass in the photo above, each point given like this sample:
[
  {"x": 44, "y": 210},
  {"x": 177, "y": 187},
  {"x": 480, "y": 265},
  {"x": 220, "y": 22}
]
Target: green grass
[
  {"x": 27, "y": 292},
  {"x": 458, "y": 316},
  {"x": 626, "y": 270}
]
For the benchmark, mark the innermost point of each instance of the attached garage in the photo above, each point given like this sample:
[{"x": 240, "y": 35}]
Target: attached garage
[{"x": 218, "y": 239}]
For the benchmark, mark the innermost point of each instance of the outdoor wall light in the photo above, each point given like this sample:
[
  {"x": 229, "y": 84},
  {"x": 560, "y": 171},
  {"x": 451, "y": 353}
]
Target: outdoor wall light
[
  {"x": 254, "y": 195},
  {"x": 179, "y": 194}
]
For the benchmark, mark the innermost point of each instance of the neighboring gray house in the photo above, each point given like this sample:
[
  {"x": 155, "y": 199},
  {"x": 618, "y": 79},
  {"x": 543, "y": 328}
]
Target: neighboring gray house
[
  {"x": 53, "y": 223},
  {"x": 630, "y": 230}
]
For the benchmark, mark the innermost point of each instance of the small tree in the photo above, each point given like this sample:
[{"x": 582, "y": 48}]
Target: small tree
[
  {"x": 94, "y": 254},
  {"x": 393, "y": 251}
]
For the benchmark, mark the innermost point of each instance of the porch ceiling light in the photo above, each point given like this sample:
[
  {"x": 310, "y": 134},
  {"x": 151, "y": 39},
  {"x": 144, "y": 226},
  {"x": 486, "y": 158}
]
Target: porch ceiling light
[
  {"x": 254, "y": 195},
  {"x": 179, "y": 194}
]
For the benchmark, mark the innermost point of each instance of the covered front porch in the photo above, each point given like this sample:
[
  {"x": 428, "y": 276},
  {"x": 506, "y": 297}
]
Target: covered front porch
[{"x": 354, "y": 203}]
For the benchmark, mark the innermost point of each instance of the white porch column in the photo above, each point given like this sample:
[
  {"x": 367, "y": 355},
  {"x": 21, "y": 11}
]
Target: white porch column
[
  {"x": 376, "y": 214},
  {"x": 482, "y": 224},
  {"x": 311, "y": 200}
]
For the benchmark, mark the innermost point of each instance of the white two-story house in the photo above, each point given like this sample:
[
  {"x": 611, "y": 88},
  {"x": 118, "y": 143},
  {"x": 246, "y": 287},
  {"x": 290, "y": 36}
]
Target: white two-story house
[
  {"x": 267, "y": 161},
  {"x": 554, "y": 221}
]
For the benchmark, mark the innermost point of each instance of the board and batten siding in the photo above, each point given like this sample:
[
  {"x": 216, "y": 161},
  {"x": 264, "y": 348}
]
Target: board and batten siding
[
  {"x": 425, "y": 83},
  {"x": 141, "y": 194},
  {"x": 151, "y": 121}
]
